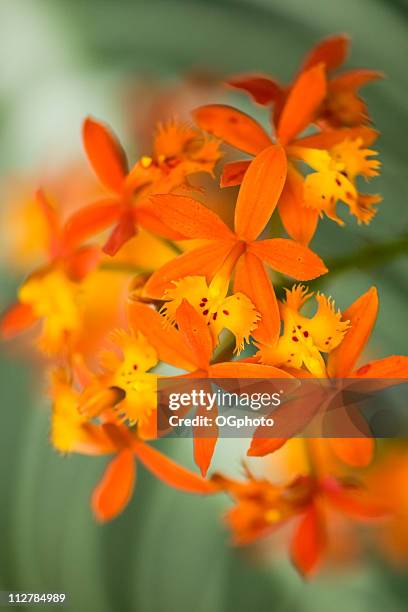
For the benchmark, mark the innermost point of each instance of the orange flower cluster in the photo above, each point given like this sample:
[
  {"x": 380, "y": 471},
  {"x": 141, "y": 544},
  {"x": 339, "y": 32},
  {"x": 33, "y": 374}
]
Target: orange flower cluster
[{"x": 104, "y": 338}]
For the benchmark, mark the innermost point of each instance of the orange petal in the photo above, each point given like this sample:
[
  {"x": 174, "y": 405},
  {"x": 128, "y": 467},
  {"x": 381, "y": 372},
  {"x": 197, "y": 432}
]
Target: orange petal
[
  {"x": 119, "y": 435},
  {"x": 290, "y": 419},
  {"x": 147, "y": 430},
  {"x": 233, "y": 173},
  {"x": 169, "y": 472},
  {"x": 93, "y": 402},
  {"x": 232, "y": 126},
  {"x": 51, "y": 216},
  {"x": 204, "y": 445},
  {"x": 299, "y": 221},
  {"x": 395, "y": 367},
  {"x": 16, "y": 319},
  {"x": 355, "y": 502},
  {"x": 260, "y": 447},
  {"x": 289, "y": 257},
  {"x": 263, "y": 89},
  {"x": 330, "y": 138},
  {"x": 195, "y": 333},
  {"x": 82, "y": 373},
  {"x": 189, "y": 217},
  {"x": 167, "y": 341},
  {"x": 90, "y": 220},
  {"x": 352, "y": 79},
  {"x": 82, "y": 262},
  {"x": 260, "y": 191},
  {"x": 243, "y": 369},
  {"x": 332, "y": 51},
  {"x": 309, "y": 542},
  {"x": 357, "y": 452},
  {"x": 121, "y": 234},
  {"x": 113, "y": 492},
  {"x": 203, "y": 452},
  {"x": 144, "y": 215},
  {"x": 362, "y": 315},
  {"x": 93, "y": 441},
  {"x": 105, "y": 154},
  {"x": 204, "y": 261},
  {"x": 252, "y": 279},
  {"x": 302, "y": 104}
]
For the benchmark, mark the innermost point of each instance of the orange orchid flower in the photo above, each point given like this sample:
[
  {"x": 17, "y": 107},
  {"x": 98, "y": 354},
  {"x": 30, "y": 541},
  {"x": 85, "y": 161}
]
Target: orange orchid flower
[
  {"x": 125, "y": 390},
  {"x": 125, "y": 384},
  {"x": 190, "y": 348},
  {"x": 114, "y": 490},
  {"x": 386, "y": 477},
  {"x": 225, "y": 250},
  {"x": 305, "y": 339},
  {"x": 178, "y": 152},
  {"x": 261, "y": 507},
  {"x": 235, "y": 312},
  {"x": 26, "y": 233},
  {"x": 72, "y": 431},
  {"x": 342, "y": 337},
  {"x": 342, "y": 106},
  {"x": 335, "y": 158},
  {"x": 51, "y": 292}
]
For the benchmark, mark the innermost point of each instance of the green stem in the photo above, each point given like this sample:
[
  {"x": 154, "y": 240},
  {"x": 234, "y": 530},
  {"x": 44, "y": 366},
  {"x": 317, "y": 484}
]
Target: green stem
[
  {"x": 174, "y": 247},
  {"x": 369, "y": 256}
]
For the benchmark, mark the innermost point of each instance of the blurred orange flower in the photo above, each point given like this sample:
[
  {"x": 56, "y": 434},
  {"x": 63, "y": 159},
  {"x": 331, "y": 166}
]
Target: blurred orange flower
[
  {"x": 178, "y": 152},
  {"x": 342, "y": 107}
]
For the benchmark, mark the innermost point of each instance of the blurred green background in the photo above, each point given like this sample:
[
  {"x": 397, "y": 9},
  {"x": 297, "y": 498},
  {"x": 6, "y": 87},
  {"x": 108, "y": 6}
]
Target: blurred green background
[{"x": 64, "y": 59}]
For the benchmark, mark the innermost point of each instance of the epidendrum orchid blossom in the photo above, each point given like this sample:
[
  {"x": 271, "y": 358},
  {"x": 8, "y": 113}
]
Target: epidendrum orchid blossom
[
  {"x": 308, "y": 503},
  {"x": 305, "y": 339},
  {"x": 342, "y": 106},
  {"x": 73, "y": 432},
  {"x": 195, "y": 343},
  {"x": 235, "y": 313},
  {"x": 340, "y": 336},
  {"x": 179, "y": 151},
  {"x": 123, "y": 394},
  {"x": 51, "y": 293},
  {"x": 27, "y": 229},
  {"x": 104, "y": 399},
  {"x": 226, "y": 250},
  {"x": 335, "y": 158}
]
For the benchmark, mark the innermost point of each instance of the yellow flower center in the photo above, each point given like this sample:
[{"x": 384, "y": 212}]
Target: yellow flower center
[
  {"x": 335, "y": 176},
  {"x": 128, "y": 371},
  {"x": 355, "y": 159},
  {"x": 235, "y": 313},
  {"x": 304, "y": 339}
]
